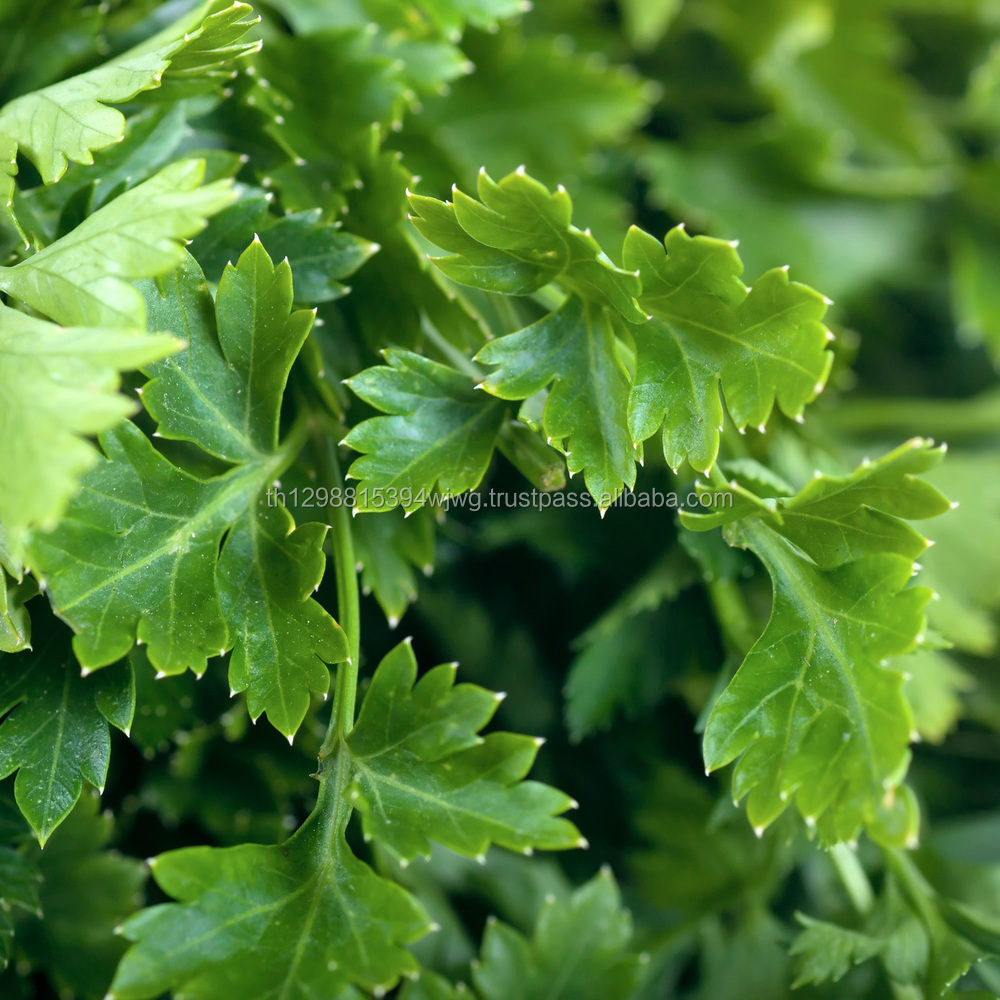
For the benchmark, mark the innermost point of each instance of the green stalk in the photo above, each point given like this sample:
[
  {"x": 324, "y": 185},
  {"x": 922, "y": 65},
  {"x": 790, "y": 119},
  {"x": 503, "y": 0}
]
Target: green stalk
[
  {"x": 853, "y": 878},
  {"x": 348, "y": 606},
  {"x": 941, "y": 418}
]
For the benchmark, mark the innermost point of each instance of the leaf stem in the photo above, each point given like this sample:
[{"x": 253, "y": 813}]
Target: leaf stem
[
  {"x": 853, "y": 878},
  {"x": 941, "y": 418},
  {"x": 348, "y": 605}
]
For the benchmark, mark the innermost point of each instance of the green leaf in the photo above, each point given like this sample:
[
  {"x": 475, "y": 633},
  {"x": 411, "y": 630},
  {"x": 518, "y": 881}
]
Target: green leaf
[
  {"x": 578, "y": 950},
  {"x": 139, "y": 556},
  {"x": 319, "y": 253},
  {"x": 282, "y": 639},
  {"x": 140, "y": 527},
  {"x": 57, "y": 37},
  {"x": 559, "y": 109},
  {"x": 19, "y": 880},
  {"x": 15, "y": 622},
  {"x": 926, "y": 940},
  {"x": 224, "y": 393},
  {"x": 693, "y": 323},
  {"x": 451, "y": 16},
  {"x": 820, "y": 67},
  {"x": 69, "y": 119},
  {"x": 336, "y": 88},
  {"x": 828, "y": 951},
  {"x": 56, "y": 735},
  {"x": 763, "y": 345},
  {"x": 519, "y": 237},
  {"x": 647, "y": 21},
  {"x": 388, "y": 548},
  {"x": 744, "y": 959},
  {"x": 935, "y": 683},
  {"x": 82, "y": 278},
  {"x": 420, "y": 772},
  {"x": 701, "y": 857},
  {"x": 814, "y": 713},
  {"x": 299, "y": 921},
  {"x": 619, "y": 665},
  {"x": 447, "y": 17},
  {"x": 585, "y": 412},
  {"x": 731, "y": 190},
  {"x": 433, "y": 987},
  {"x": 66, "y": 379},
  {"x": 86, "y": 891},
  {"x": 963, "y": 568},
  {"x": 8, "y": 171},
  {"x": 440, "y": 433}
]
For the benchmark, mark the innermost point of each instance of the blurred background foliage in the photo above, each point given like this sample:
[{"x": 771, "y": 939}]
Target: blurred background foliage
[{"x": 857, "y": 141}]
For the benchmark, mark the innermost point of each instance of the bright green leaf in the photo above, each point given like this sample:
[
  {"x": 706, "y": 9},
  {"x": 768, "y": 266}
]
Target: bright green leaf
[
  {"x": 421, "y": 772},
  {"x": 66, "y": 379},
  {"x": 139, "y": 557},
  {"x": 763, "y": 345},
  {"x": 69, "y": 119},
  {"x": 647, "y": 21},
  {"x": 82, "y": 278},
  {"x": 814, "y": 714},
  {"x": 15, "y": 621},
  {"x": 519, "y": 237}
]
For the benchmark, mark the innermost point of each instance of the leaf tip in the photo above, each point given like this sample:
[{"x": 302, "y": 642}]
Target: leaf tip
[{"x": 582, "y": 843}]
